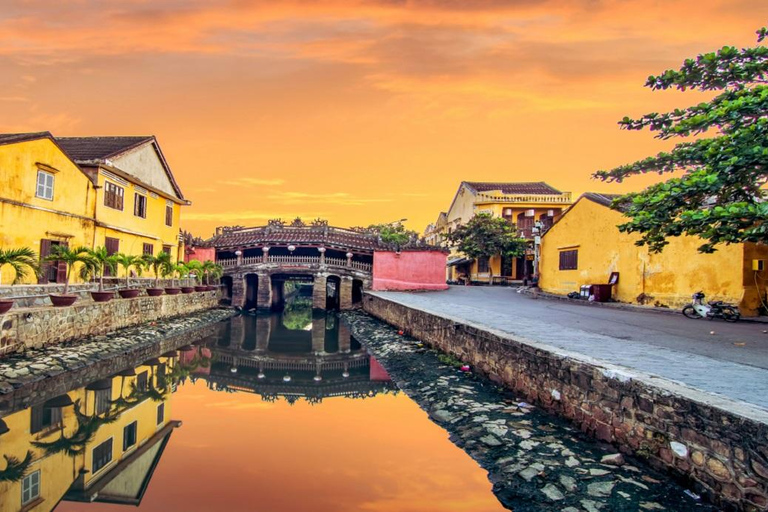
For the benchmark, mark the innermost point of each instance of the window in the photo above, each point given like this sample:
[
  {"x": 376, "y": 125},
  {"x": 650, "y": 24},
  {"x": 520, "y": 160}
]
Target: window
[
  {"x": 102, "y": 400},
  {"x": 44, "y": 417},
  {"x": 148, "y": 250},
  {"x": 569, "y": 260},
  {"x": 129, "y": 436},
  {"x": 167, "y": 249},
  {"x": 482, "y": 265},
  {"x": 102, "y": 455},
  {"x": 113, "y": 247},
  {"x": 30, "y": 487},
  {"x": 44, "y": 185},
  {"x": 140, "y": 205},
  {"x": 169, "y": 214},
  {"x": 160, "y": 413},
  {"x": 142, "y": 380},
  {"x": 113, "y": 195}
]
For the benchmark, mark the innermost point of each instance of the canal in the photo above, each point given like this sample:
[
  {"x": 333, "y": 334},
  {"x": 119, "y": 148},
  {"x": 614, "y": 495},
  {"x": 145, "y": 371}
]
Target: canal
[{"x": 280, "y": 412}]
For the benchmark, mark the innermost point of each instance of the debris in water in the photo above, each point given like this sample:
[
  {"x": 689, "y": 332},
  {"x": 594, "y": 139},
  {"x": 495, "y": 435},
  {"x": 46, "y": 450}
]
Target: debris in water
[
  {"x": 692, "y": 495},
  {"x": 711, "y": 332},
  {"x": 465, "y": 367}
]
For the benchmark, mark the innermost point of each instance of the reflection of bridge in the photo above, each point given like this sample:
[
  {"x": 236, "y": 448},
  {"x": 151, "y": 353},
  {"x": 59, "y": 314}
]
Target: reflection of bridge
[
  {"x": 257, "y": 262},
  {"x": 260, "y": 355}
]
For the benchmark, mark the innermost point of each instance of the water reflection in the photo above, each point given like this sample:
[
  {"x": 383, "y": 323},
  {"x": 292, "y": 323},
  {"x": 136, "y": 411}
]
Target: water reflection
[
  {"x": 296, "y": 355},
  {"x": 99, "y": 442}
]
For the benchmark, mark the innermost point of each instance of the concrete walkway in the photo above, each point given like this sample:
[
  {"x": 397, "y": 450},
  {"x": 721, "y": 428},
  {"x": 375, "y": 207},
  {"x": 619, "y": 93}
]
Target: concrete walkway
[{"x": 733, "y": 362}]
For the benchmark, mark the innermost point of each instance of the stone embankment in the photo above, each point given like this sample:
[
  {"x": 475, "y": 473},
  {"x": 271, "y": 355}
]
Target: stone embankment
[
  {"x": 43, "y": 373},
  {"x": 536, "y": 462},
  {"x": 719, "y": 446},
  {"x": 25, "y": 328},
  {"x": 36, "y": 295}
]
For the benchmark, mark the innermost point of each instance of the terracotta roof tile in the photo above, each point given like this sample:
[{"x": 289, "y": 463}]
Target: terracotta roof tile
[{"x": 538, "y": 187}]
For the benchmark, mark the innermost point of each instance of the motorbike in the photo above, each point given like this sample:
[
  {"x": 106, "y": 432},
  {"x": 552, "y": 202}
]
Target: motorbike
[{"x": 711, "y": 310}]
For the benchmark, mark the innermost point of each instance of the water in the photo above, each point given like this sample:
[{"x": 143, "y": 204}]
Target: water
[{"x": 283, "y": 412}]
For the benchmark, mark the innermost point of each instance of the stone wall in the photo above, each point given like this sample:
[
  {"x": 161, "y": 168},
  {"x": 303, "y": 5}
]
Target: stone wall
[
  {"x": 23, "y": 328},
  {"x": 35, "y": 295},
  {"x": 718, "y": 445}
]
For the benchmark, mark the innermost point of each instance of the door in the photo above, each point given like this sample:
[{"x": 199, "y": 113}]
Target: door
[
  {"x": 113, "y": 247},
  {"x": 52, "y": 271}
]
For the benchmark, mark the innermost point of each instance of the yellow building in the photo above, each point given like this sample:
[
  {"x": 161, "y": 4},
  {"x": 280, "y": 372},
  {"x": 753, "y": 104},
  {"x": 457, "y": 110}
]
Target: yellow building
[
  {"x": 116, "y": 192},
  {"x": 584, "y": 247},
  {"x": 111, "y": 462},
  {"x": 526, "y": 205}
]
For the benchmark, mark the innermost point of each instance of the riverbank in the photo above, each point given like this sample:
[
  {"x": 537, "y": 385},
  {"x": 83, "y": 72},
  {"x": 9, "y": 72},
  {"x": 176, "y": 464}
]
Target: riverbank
[
  {"x": 38, "y": 374},
  {"x": 536, "y": 462}
]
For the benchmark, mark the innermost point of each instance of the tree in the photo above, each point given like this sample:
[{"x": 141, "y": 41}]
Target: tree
[
  {"x": 157, "y": 264},
  {"x": 720, "y": 196},
  {"x": 394, "y": 233},
  {"x": 20, "y": 260},
  {"x": 70, "y": 257},
  {"x": 128, "y": 261},
  {"x": 98, "y": 262},
  {"x": 485, "y": 236}
]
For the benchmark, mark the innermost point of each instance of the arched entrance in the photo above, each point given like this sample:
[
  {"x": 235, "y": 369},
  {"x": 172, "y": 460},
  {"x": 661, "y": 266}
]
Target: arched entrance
[
  {"x": 251, "y": 291},
  {"x": 228, "y": 283},
  {"x": 333, "y": 293}
]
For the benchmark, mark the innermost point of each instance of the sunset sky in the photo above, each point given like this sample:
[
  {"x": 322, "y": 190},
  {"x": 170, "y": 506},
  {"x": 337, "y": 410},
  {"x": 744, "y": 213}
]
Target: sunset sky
[{"x": 357, "y": 111}]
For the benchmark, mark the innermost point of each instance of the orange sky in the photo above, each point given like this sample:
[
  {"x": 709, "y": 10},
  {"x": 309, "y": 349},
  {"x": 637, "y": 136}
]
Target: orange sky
[{"x": 357, "y": 111}]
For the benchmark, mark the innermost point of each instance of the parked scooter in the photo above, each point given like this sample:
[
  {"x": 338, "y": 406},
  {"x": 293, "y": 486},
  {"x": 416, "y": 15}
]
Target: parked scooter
[{"x": 713, "y": 309}]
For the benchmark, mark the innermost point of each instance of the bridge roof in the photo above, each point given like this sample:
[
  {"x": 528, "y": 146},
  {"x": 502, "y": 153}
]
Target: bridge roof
[{"x": 325, "y": 236}]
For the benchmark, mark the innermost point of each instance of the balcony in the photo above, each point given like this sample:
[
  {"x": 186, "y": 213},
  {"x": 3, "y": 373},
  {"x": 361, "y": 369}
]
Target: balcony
[
  {"x": 484, "y": 197},
  {"x": 306, "y": 261}
]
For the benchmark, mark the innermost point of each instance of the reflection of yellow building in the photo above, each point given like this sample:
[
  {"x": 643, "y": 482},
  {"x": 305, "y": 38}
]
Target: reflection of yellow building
[
  {"x": 107, "y": 454},
  {"x": 585, "y": 247},
  {"x": 116, "y": 192},
  {"x": 527, "y": 205}
]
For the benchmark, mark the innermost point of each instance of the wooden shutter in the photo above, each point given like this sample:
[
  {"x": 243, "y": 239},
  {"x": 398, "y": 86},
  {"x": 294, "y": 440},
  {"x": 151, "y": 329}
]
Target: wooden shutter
[
  {"x": 36, "y": 424},
  {"x": 113, "y": 246},
  {"x": 61, "y": 270},
  {"x": 45, "y": 250}
]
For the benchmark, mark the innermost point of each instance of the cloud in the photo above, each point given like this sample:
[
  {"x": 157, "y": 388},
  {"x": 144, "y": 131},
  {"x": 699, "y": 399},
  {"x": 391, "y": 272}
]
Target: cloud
[
  {"x": 253, "y": 182},
  {"x": 336, "y": 198},
  {"x": 248, "y": 215}
]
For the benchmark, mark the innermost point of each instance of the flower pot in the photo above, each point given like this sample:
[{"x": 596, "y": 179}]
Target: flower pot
[
  {"x": 172, "y": 291},
  {"x": 201, "y": 288},
  {"x": 102, "y": 296},
  {"x": 155, "y": 292},
  {"x": 61, "y": 301},
  {"x": 187, "y": 289},
  {"x": 5, "y": 305},
  {"x": 129, "y": 293}
]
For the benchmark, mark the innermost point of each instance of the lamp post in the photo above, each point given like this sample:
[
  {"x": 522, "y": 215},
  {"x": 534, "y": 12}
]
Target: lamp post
[
  {"x": 321, "y": 250},
  {"x": 265, "y": 254}
]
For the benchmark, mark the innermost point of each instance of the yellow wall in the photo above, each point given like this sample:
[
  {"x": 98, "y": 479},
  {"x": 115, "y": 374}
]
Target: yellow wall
[
  {"x": 68, "y": 217},
  {"x": 59, "y": 471},
  {"x": 667, "y": 279}
]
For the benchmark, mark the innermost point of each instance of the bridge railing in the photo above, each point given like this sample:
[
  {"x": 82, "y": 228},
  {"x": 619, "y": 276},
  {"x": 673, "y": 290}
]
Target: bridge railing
[{"x": 296, "y": 260}]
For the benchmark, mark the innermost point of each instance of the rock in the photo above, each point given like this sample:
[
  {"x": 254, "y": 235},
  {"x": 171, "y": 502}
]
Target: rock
[
  {"x": 650, "y": 505},
  {"x": 442, "y": 415},
  {"x": 569, "y": 483},
  {"x": 531, "y": 472},
  {"x": 527, "y": 444},
  {"x": 598, "y": 472},
  {"x": 571, "y": 462},
  {"x": 615, "y": 459},
  {"x": 552, "y": 492},
  {"x": 600, "y": 489},
  {"x": 497, "y": 430},
  {"x": 591, "y": 506},
  {"x": 679, "y": 448},
  {"x": 490, "y": 440}
]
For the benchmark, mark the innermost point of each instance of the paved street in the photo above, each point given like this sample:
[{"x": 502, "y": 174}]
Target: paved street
[{"x": 732, "y": 362}]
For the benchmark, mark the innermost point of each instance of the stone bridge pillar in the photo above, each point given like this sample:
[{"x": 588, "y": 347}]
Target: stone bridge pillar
[
  {"x": 345, "y": 338},
  {"x": 345, "y": 293},
  {"x": 263, "y": 331},
  {"x": 319, "y": 291},
  {"x": 318, "y": 334},
  {"x": 264, "y": 295},
  {"x": 238, "y": 290},
  {"x": 278, "y": 295},
  {"x": 237, "y": 335}
]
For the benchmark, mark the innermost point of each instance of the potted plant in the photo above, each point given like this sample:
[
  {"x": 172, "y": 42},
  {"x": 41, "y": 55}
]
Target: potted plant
[
  {"x": 197, "y": 267},
  {"x": 20, "y": 260},
  {"x": 183, "y": 271},
  {"x": 215, "y": 271},
  {"x": 128, "y": 261},
  {"x": 70, "y": 257},
  {"x": 168, "y": 270},
  {"x": 156, "y": 263},
  {"x": 100, "y": 260}
]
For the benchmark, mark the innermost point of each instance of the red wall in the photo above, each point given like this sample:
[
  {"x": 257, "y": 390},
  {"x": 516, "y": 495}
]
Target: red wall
[
  {"x": 200, "y": 254},
  {"x": 409, "y": 270}
]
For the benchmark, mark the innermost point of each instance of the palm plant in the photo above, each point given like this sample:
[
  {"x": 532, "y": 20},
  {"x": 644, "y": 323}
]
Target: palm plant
[
  {"x": 196, "y": 267},
  {"x": 100, "y": 260},
  {"x": 20, "y": 260},
  {"x": 128, "y": 261},
  {"x": 157, "y": 264},
  {"x": 211, "y": 270},
  {"x": 70, "y": 257},
  {"x": 181, "y": 270}
]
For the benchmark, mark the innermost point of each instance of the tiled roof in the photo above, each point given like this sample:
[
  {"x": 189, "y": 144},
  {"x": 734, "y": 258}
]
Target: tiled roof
[
  {"x": 10, "y": 138},
  {"x": 538, "y": 187},
  {"x": 312, "y": 236},
  {"x": 84, "y": 149},
  {"x": 603, "y": 199}
]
